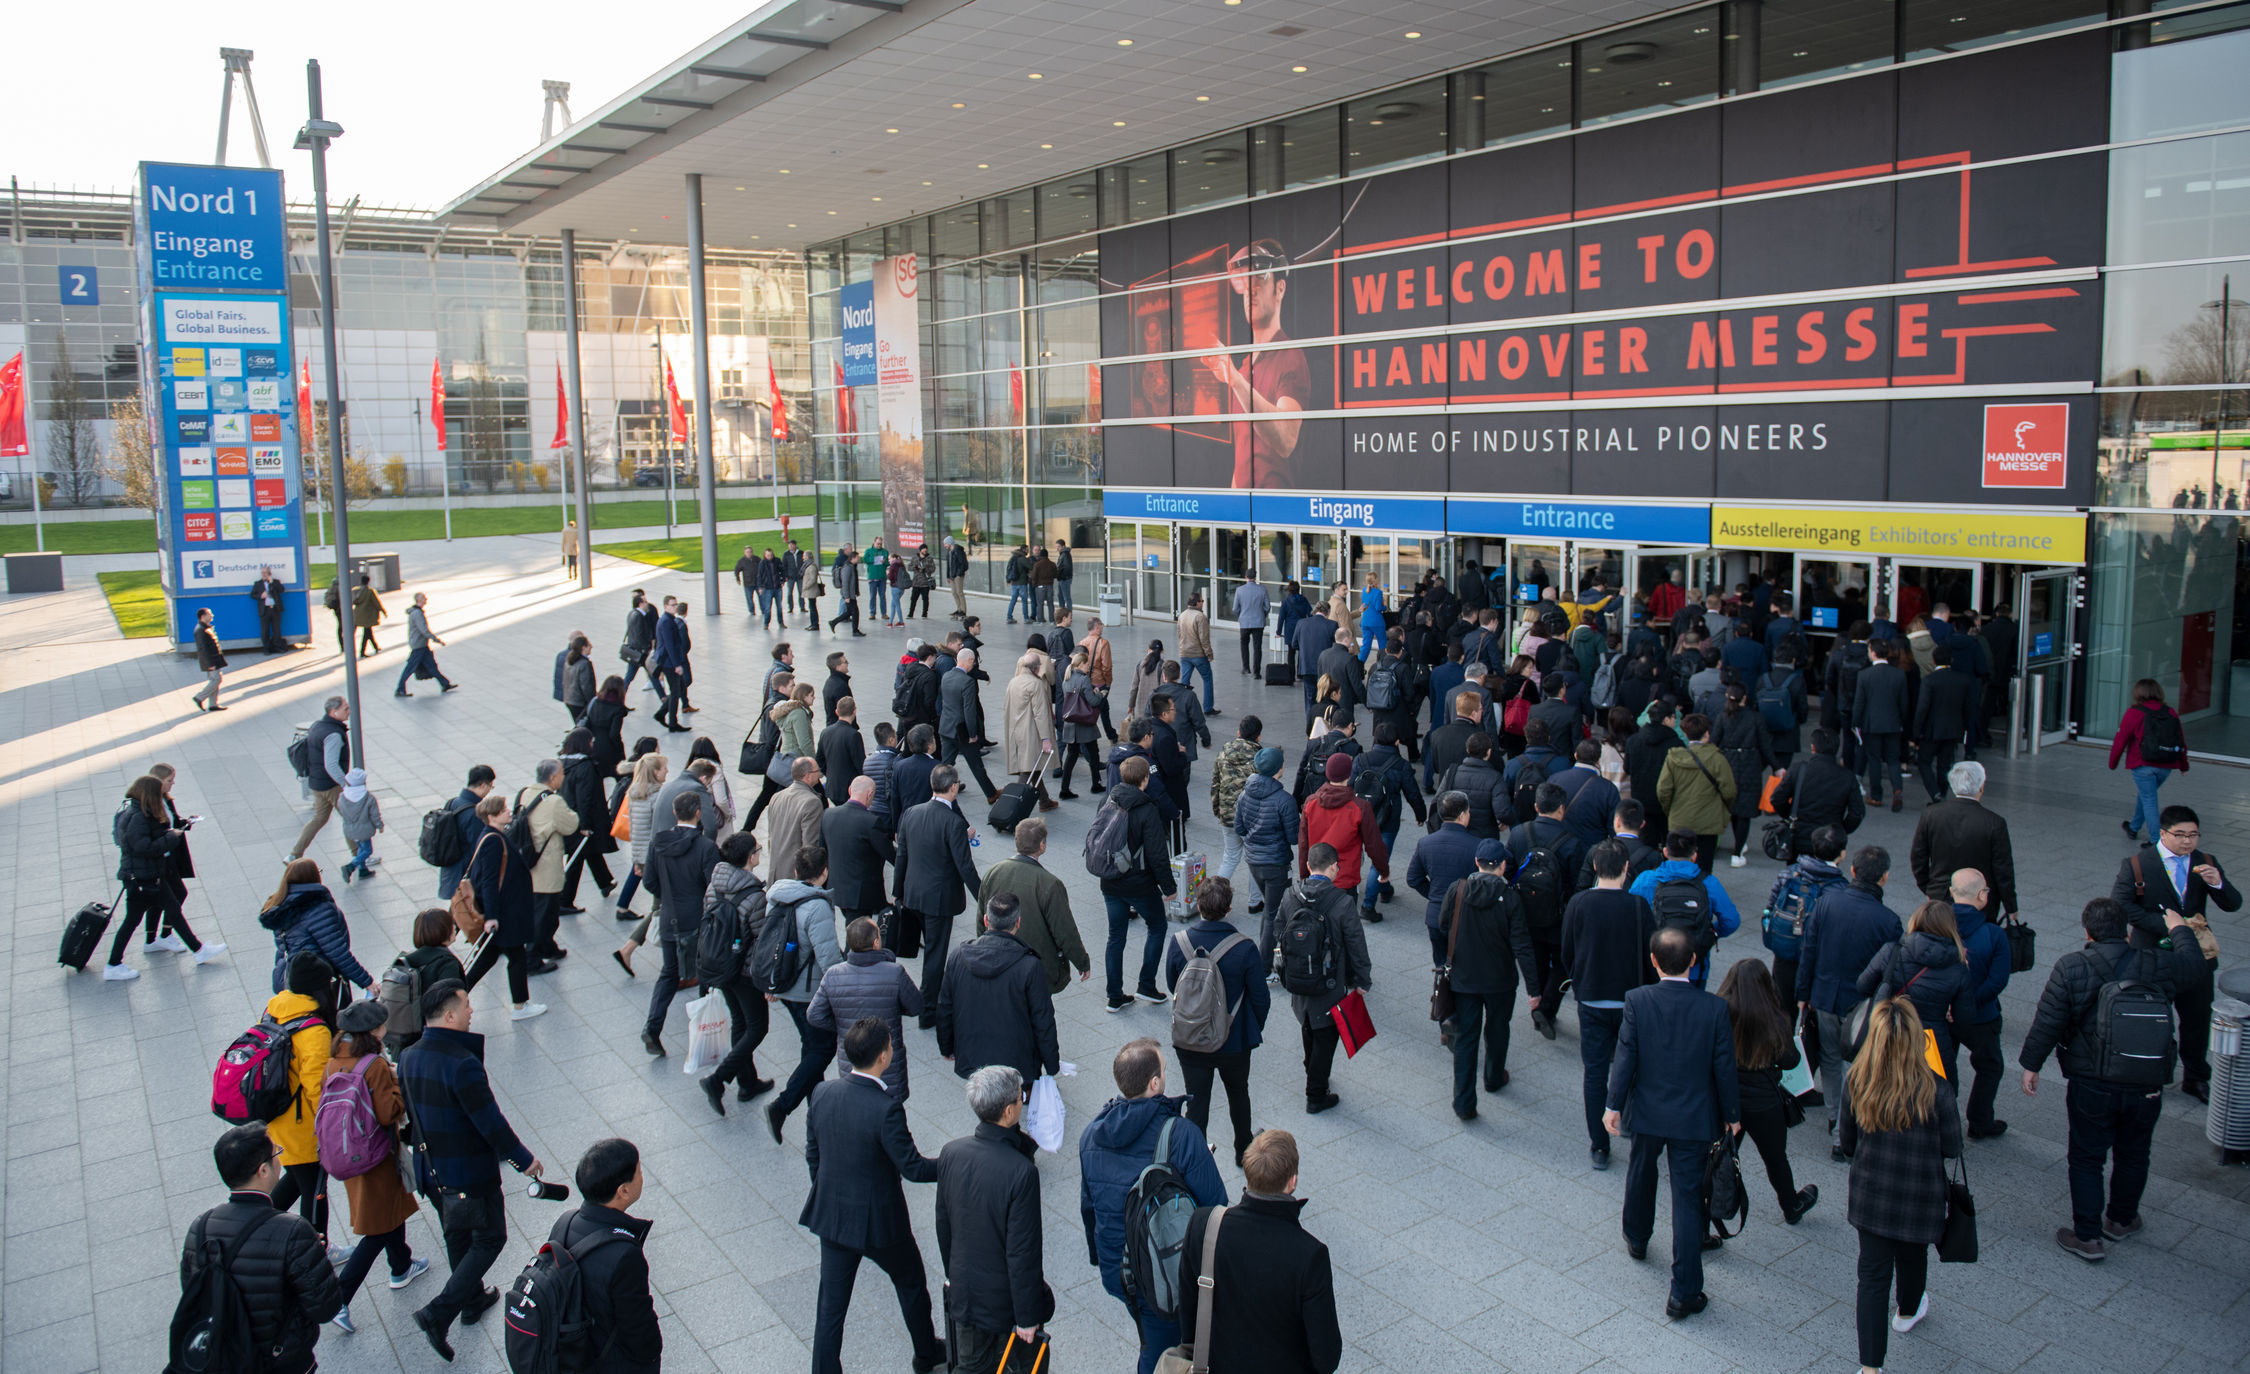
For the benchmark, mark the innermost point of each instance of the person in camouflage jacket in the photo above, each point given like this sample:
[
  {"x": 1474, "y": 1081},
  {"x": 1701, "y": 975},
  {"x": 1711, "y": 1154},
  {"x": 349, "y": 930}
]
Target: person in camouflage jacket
[{"x": 1228, "y": 774}]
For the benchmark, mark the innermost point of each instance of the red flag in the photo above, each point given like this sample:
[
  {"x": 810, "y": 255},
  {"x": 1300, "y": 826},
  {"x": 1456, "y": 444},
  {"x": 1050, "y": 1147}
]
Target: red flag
[
  {"x": 304, "y": 403},
  {"x": 1094, "y": 391},
  {"x": 780, "y": 407},
  {"x": 562, "y": 413},
  {"x": 437, "y": 401},
  {"x": 847, "y": 409},
  {"x": 1015, "y": 391},
  {"x": 13, "y": 444},
  {"x": 680, "y": 412}
]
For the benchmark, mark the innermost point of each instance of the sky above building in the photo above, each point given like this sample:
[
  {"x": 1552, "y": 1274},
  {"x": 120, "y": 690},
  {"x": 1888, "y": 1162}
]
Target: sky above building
[{"x": 432, "y": 97}]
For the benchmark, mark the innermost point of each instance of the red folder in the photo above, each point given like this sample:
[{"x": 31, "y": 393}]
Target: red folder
[{"x": 1352, "y": 1022}]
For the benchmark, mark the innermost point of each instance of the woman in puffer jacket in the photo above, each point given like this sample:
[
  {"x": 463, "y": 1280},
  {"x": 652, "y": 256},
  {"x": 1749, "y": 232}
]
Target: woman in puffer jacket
[
  {"x": 304, "y": 920},
  {"x": 146, "y": 844},
  {"x": 1267, "y": 820},
  {"x": 1929, "y": 968},
  {"x": 734, "y": 884},
  {"x": 870, "y": 982}
]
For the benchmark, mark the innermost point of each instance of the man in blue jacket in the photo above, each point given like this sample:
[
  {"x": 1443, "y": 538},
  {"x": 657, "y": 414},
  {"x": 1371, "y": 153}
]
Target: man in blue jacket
[
  {"x": 1680, "y": 866},
  {"x": 1312, "y": 637},
  {"x": 1442, "y": 858},
  {"x": 1112, "y": 1150},
  {"x": 1846, "y": 927},
  {"x": 1989, "y": 966},
  {"x": 669, "y": 664}
]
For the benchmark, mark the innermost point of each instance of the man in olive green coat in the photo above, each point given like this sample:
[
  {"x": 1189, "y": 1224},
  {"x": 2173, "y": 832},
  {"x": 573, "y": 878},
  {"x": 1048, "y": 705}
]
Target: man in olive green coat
[{"x": 1047, "y": 925}]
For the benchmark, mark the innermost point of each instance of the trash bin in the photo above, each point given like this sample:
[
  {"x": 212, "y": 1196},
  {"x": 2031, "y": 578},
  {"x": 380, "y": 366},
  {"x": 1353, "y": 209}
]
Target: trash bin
[
  {"x": 381, "y": 569},
  {"x": 2226, "y": 1121},
  {"x": 1113, "y": 603},
  {"x": 34, "y": 572}
]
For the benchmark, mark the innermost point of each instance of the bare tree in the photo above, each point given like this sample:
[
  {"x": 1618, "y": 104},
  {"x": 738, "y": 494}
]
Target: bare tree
[
  {"x": 2207, "y": 350},
  {"x": 312, "y": 464},
  {"x": 130, "y": 461},
  {"x": 73, "y": 446}
]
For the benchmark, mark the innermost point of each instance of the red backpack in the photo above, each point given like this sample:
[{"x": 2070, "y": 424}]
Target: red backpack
[{"x": 253, "y": 1080}]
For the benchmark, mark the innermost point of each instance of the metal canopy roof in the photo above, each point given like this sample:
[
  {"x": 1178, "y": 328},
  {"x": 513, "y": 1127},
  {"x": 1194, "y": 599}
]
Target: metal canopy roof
[{"x": 814, "y": 118}]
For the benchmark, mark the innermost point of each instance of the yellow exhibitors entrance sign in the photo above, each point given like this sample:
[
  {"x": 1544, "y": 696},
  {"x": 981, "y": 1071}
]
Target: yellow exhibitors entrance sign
[{"x": 1897, "y": 532}]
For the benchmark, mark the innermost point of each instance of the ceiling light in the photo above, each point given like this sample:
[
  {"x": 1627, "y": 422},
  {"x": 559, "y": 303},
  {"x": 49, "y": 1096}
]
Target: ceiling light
[
  {"x": 1397, "y": 109},
  {"x": 785, "y": 171},
  {"x": 959, "y": 106},
  {"x": 831, "y": 212},
  {"x": 792, "y": 226},
  {"x": 1124, "y": 42},
  {"x": 925, "y": 183},
  {"x": 1039, "y": 76},
  {"x": 877, "y": 199},
  {"x": 1048, "y": 146},
  {"x": 1800, "y": 54},
  {"x": 1413, "y": 33},
  {"x": 1233, "y": 2},
  {"x": 984, "y": 166},
  {"x": 1623, "y": 54},
  {"x": 1299, "y": 69},
  {"x": 890, "y": 131},
  {"x": 1663, "y": 83},
  {"x": 741, "y": 188},
  {"x": 1117, "y": 124},
  {"x": 1202, "y": 99}
]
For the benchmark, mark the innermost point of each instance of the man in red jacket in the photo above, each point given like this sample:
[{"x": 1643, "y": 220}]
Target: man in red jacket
[{"x": 1338, "y": 816}]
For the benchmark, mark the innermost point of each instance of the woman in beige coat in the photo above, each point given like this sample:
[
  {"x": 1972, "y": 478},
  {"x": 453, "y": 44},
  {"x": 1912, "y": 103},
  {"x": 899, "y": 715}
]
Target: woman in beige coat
[{"x": 1027, "y": 719}]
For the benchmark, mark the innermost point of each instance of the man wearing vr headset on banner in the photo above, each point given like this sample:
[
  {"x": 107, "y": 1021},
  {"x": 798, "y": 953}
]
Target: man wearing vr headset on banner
[{"x": 1275, "y": 383}]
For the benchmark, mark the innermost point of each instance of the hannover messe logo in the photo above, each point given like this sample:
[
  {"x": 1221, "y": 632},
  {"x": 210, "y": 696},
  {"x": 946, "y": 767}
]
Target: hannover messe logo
[{"x": 2026, "y": 445}]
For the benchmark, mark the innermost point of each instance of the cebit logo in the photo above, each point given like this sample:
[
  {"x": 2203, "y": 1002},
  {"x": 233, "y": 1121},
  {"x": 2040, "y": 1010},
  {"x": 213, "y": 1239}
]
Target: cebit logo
[{"x": 2027, "y": 445}]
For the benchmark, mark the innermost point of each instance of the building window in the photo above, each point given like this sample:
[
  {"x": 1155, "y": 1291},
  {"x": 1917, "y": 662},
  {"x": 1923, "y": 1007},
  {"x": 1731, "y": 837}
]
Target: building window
[
  {"x": 1067, "y": 206},
  {"x": 1298, "y": 151},
  {"x": 1518, "y": 98},
  {"x": 1135, "y": 191},
  {"x": 1939, "y": 26},
  {"x": 1804, "y": 39},
  {"x": 1208, "y": 172},
  {"x": 1661, "y": 65},
  {"x": 1405, "y": 125}
]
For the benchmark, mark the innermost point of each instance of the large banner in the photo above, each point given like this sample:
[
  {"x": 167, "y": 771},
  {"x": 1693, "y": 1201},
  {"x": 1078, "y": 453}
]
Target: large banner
[
  {"x": 898, "y": 401},
  {"x": 1878, "y": 289}
]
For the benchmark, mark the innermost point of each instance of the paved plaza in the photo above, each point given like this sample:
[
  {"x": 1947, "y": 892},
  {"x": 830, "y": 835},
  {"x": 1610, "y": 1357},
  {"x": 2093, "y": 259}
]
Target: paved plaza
[{"x": 1485, "y": 1245}]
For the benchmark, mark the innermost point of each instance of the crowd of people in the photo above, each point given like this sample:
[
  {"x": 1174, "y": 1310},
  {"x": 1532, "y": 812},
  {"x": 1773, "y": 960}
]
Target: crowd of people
[{"x": 1575, "y": 776}]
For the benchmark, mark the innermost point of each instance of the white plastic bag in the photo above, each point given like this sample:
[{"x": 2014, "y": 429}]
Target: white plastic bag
[
  {"x": 1043, "y": 1116},
  {"x": 707, "y": 1033}
]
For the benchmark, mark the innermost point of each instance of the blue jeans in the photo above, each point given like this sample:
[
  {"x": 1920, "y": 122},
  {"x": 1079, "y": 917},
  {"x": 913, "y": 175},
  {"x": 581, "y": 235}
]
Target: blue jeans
[
  {"x": 417, "y": 659},
  {"x": 766, "y": 596},
  {"x": 362, "y": 856},
  {"x": 1189, "y": 667},
  {"x": 1158, "y": 1334},
  {"x": 1122, "y": 910},
  {"x": 1371, "y": 888},
  {"x": 1062, "y": 593},
  {"x": 2146, "y": 780},
  {"x": 1018, "y": 591},
  {"x": 1597, "y": 1046}
]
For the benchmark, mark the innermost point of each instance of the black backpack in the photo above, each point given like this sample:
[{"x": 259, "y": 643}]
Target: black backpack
[
  {"x": 1385, "y": 691},
  {"x": 211, "y": 1325},
  {"x": 1110, "y": 853},
  {"x": 1308, "y": 951},
  {"x": 777, "y": 959},
  {"x": 1523, "y": 802},
  {"x": 1539, "y": 882},
  {"x": 1685, "y": 904},
  {"x": 2132, "y": 1029},
  {"x": 1378, "y": 784},
  {"x": 1158, "y": 1208},
  {"x": 519, "y": 829},
  {"x": 722, "y": 945},
  {"x": 1312, "y": 769},
  {"x": 548, "y": 1328},
  {"x": 441, "y": 845},
  {"x": 2162, "y": 743}
]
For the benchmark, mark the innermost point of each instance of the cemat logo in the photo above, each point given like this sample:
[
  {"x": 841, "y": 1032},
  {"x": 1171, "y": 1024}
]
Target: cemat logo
[{"x": 2027, "y": 445}]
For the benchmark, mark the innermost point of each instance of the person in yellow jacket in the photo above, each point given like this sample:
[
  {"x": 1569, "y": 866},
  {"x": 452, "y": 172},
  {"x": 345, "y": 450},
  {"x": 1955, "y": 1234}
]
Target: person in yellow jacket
[{"x": 306, "y": 1002}]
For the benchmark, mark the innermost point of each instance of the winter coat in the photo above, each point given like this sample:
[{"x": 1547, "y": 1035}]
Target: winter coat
[
  {"x": 2125, "y": 744},
  {"x": 1144, "y": 830},
  {"x": 450, "y": 1098},
  {"x": 2065, "y": 1023},
  {"x": 819, "y": 947},
  {"x": 1027, "y": 721},
  {"x": 582, "y": 794},
  {"x": 1818, "y": 791},
  {"x": 1101, "y": 661},
  {"x": 1928, "y": 972},
  {"x": 1487, "y": 790},
  {"x": 144, "y": 845},
  {"x": 1990, "y": 962},
  {"x": 1492, "y": 947},
  {"x": 841, "y": 752},
  {"x": 1194, "y": 631},
  {"x": 1148, "y": 675},
  {"x": 1958, "y": 833},
  {"x": 1760, "y": 1088},
  {"x": 870, "y": 982},
  {"x": 1243, "y": 982},
  {"x": 640, "y": 814},
  {"x": 1442, "y": 858},
  {"x": 990, "y": 1232},
  {"x": 1068, "y": 734},
  {"x": 1273, "y": 1308},
  {"x": 1741, "y": 736},
  {"x": 1696, "y": 789},
  {"x": 1229, "y": 773},
  {"x": 1726, "y": 919},
  {"x": 308, "y": 921},
  {"x": 282, "y": 1272},
  {"x": 1187, "y": 716},
  {"x": 360, "y": 816},
  {"x": 292, "y": 1131},
  {"x": 500, "y": 875},
  {"x": 552, "y": 824},
  {"x": 379, "y": 1200},
  {"x": 1267, "y": 819},
  {"x": 923, "y": 573},
  {"x": 1645, "y": 753},
  {"x": 677, "y": 874},
  {"x": 1346, "y": 936},
  {"x": 994, "y": 1008},
  {"x": 1879, "y": 700},
  {"x": 795, "y": 720},
  {"x": 1043, "y": 909},
  {"x": 1898, "y": 1177},
  {"x": 1113, "y": 1148},
  {"x": 1338, "y": 816},
  {"x": 578, "y": 684},
  {"x": 1847, "y": 926},
  {"x": 792, "y": 822}
]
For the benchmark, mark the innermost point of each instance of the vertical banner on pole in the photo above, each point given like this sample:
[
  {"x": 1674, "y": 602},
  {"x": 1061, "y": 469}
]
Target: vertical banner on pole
[{"x": 898, "y": 401}]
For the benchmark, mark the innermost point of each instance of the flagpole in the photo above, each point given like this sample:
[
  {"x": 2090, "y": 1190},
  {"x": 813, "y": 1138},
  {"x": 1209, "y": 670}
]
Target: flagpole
[
  {"x": 31, "y": 452},
  {"x": 445, "y": 477},
  {"x": 574, "y": 398}
]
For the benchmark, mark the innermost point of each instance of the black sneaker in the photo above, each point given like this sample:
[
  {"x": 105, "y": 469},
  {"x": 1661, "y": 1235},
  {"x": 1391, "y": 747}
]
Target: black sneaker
[
  {"x": 1807, "y": 1196},
  {"x": 1314, "y": 1106},
  {"x": 1118, "y": 1004},
  {"x": 1152, "y": 995}
]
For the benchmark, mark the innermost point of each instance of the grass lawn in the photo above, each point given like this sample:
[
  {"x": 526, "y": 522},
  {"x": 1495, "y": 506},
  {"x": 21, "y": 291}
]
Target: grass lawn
[
  {"x": 88, "y": 536},
  {"x": 137, "y": 600},
  {"x": 686, "y": 555}
]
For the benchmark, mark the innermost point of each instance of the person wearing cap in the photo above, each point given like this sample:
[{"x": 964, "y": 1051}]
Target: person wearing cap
[
  {"x": 1266, "y": 819},
  {"x": 1337, "y": 816},
  {"x": 379, "y": 1201}
]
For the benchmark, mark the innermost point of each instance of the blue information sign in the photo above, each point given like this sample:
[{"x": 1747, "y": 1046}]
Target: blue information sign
[
  {"x": 1823, "y": 617},
  {"x": 77, "y": 285},
  {"x": 211, "y": 229},
  {"x": 1218, "y": 507},
  {"x": 859, "y": 334},
  {"x": 2042, "y": 644},
  {"x": 1689, "y": 526},
  {"x": 1407, "y": 513}
]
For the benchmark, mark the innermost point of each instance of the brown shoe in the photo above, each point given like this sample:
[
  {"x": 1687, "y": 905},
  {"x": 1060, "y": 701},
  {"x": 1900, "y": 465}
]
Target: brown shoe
[{"x": 2087, "y": 1250}]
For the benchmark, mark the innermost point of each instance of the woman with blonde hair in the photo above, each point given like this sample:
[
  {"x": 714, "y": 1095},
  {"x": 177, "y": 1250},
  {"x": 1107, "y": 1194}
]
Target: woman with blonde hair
[
  {"x": 1899, "y": 1127},
  {"x": 1930, "y": 968}
]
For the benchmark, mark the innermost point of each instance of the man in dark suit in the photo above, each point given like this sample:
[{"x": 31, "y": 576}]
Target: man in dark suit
[
  {"x": 841, "y": 751},
  {"x": 1961, "y": 832},
  {"x": 858, "y": 847},
  {"x": 669, "y": 665},
  {"x": 910, "y": 776},
  {"x": 961, "y": 719},
  {"x": 1338, "y": 663},
  {"x": 936, "y": 877},
  {"x": 1310, "y": 639},
  {"x": 858, "y": 1148},
  {"x": 266, "y": 594},
  {"x": 1817, "y": 791},
  {"x": 2173, "y": 874},
  {"x": 1879, "y": 720},
  {"x": 1674, "y": 1073},
  {"x": 1943, "y": 712}
]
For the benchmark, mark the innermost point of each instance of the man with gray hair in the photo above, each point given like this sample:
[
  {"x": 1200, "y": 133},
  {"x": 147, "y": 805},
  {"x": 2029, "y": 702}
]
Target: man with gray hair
[
  {"x": 1960, "y": 832},
  {"x": 993, "y": 1006},
  {"x": 1988, "y": 959},
  {"x": 551, "y": 823},
  {"x": 328, "y": 756},
  {"x": 988, "y": 1226}
]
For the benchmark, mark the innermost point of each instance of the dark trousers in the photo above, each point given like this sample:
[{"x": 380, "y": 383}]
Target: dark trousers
[
  {"x": 977, "y": 1351},
  {"x": 147, "y": 906},
  {"x": 1254, "y": 650},
  {"x": 1373, "y": 887},
  {"x": 937, "y": 943},
  {"x": 815, "y": 1048},
  {"x": 604, "y": 880},
  {"x": 269, "y": 628},
  {"x": 1706, "y": 852},
  {"x": 848, "y": 609},
  {"x": 1597, "y": 1046},
  {"x": 2106, "y": 1122},
  {"x": 1546, "y": 960},
  {"x": 1932, "y": 759},
  {"x": 519, "y": 969},
  {"x": 1879, "y": 1258},
  {"x": 748, "y": 1016},
  {"x": 767, "y": 791},
  {"x": 1785, "y": 983},
  {"x": 1233, "y": 1070},
  {"x": 667, "y": 983},
  {"x": 634, "y": 665},
  {"x": 1320, "y": 1056},
  {"x": 475, "y": 1226},
  {"x": 960, "y": 748},
  {"x": 839, "y": 1270},
  {"x": 305, "y": 1187},
  {"x": 546, "y": 914},
  {"x": 1121, "y": 911},
  {"x": 1474, "y": 1012},
  {"x": 673, "y": 685},
  {"x": 1087, "y": 751},
  {"x": 1272, "y": 882},
  {"x": 1684, "y": 1162},
  {"x": 416, "y": 661},
  {"x": 1768, "y": 1129},
  {"x": 1982, "y": 1041},
  {"x": 2194, "y": 1003},
  {"x": 1880, "y": 755},
  {"x": 391, "y": 1243},
  {"x": 918, "y": 601}
]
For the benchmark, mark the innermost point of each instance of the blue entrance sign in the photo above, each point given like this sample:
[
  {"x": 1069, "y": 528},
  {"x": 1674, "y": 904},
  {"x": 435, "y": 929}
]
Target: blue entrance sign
[
  {"x": 210, "y": 229},
  {"x": 1405, "y": 513},
  {"x": 1590, "y": 520},
  {"x": 859, "y": 334},
  {"x": 1212, "y": 507},
  {"x": 78, "y": 285},
  {"x": 2042, "y": 644}
]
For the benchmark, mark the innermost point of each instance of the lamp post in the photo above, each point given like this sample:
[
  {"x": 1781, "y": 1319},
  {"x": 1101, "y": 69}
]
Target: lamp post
[{"x": 317, "y": 134}]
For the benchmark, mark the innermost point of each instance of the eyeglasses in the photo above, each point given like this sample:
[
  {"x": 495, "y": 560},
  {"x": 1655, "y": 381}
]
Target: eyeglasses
[{"x": 2185, "y": 834}]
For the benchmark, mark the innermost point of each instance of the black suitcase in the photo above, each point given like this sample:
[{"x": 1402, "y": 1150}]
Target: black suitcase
[
  {"x": 84, "y": 934},
  {"x": 1016, "y": 801},
  {"x": 1281, "y": 674}
]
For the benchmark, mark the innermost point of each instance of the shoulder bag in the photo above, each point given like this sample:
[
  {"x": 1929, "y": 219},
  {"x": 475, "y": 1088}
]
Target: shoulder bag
[
  {"x": 468, "y": 917},
  {"x": 1181, "y": 1359},
  {"x": 1957, "y": 1244}
]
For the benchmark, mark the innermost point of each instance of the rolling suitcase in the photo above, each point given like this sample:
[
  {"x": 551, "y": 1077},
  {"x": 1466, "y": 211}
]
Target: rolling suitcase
[
  {"x": 1281, "y": 674},
  {"x": 83, "y": 935},
  {"x": 1016, "y": 801}
]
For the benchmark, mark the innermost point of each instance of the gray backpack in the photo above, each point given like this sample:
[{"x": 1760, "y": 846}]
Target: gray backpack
[{"x": 1201, "y": 1018}]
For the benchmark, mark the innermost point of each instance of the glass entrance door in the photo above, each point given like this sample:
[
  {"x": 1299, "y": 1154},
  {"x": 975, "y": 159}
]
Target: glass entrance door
[
  {"x": 1231, "y": 566},
  {"x": 1194, "y": 565},
  {"x": 1920, "y": 588},
  {"x": 1533, "y": 571},
  {"x": 1831, "y": 597},
  {"x": 1322, "y": 563},
  {"x": 2048, "y": 627}
]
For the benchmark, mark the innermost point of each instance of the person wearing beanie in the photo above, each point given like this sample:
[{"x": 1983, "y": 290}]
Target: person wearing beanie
[
  {"x": 1266, "y": 821},
  {"x": 1336, "y": 815}
]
